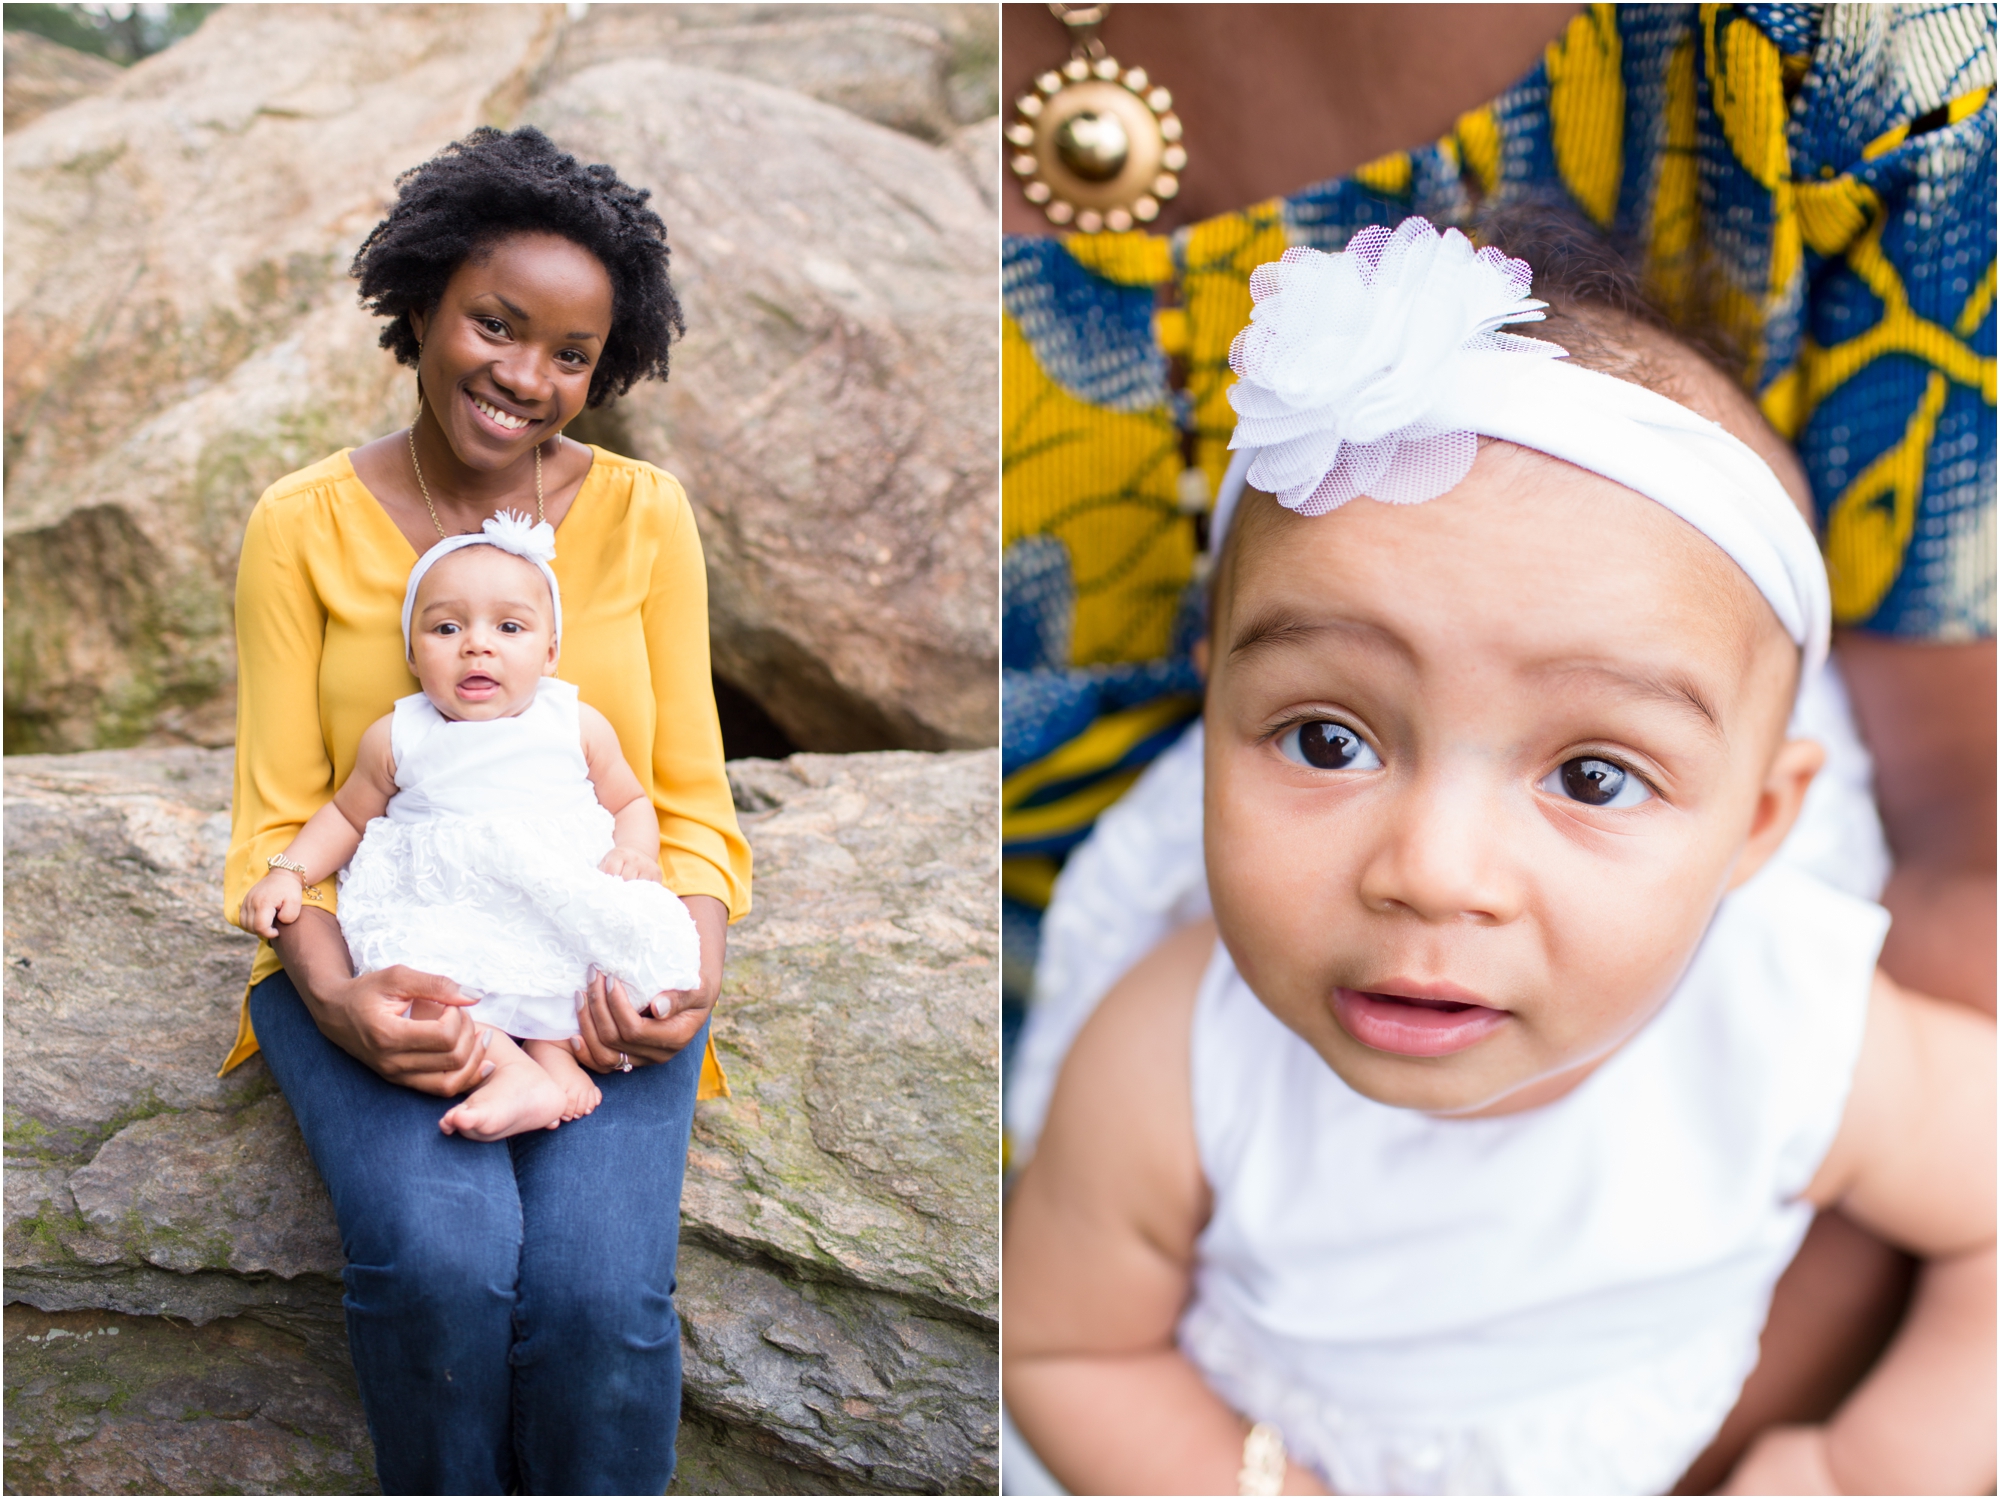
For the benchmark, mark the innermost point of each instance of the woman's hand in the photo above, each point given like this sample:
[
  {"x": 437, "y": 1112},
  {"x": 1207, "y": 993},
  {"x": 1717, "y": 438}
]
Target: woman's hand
[
  {"x": 608, "y": 1025},
  {"x": 434, "y": 1049}
]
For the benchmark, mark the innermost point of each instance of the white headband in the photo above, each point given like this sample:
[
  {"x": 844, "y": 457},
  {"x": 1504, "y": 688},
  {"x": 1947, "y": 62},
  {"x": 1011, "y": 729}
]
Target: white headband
[
  {"x": 510, "y": 532},
  {"x": 1377, "y": 370}
]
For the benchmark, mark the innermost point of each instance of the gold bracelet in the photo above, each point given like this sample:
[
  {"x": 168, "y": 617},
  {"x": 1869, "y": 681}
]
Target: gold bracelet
[
  {"x": 1263, "y": 1470},
  {"x": 279, "y": 861}
]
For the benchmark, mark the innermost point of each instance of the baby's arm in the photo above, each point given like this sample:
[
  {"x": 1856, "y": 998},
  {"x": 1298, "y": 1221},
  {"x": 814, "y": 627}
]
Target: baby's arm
[
  {"x": 635, "y": 826},
  {"x": 1100, "y": 1245},
  {"x": 1913, "y": 1163},
  {"x": 329, "y": 837}
]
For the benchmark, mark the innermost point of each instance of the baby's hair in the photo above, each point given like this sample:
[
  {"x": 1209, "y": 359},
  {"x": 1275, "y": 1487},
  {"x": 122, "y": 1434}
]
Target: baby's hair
[
  {"x": 1599, "y": 309},
  {"x": 490, "y": 185}
]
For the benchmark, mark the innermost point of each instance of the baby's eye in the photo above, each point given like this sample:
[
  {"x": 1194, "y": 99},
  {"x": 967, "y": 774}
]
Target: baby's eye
[
  {"x": 511, "y": 627},
  {"x": 1325, "y": 745},
  {"x": 444, "y": 629},
  {"x": 1596, "y": 783}
]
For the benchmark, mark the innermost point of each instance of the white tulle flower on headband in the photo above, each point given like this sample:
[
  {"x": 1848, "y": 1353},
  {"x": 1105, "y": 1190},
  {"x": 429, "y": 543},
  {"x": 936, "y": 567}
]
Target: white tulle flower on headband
[
  {"x": 511, "y": 531},
  {"x": 1346, "y": 356}
]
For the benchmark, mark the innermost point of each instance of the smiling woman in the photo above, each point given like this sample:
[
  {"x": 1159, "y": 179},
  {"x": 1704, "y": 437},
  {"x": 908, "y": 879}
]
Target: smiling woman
[{"x": 509, "y": 1302}]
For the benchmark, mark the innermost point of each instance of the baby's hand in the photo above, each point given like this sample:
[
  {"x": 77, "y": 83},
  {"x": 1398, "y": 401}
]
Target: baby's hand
[
  {"x": 628, "y": 865},
  {"x": 277, "y": 896}
]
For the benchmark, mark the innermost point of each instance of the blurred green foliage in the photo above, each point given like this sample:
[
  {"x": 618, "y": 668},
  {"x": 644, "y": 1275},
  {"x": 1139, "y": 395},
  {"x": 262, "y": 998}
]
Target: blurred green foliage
[{"x": 121, "y": 33}]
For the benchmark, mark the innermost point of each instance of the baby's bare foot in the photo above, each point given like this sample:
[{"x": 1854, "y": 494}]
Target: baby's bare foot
[
  {"x": 579, "y": 1089},
  {"x": 516, "y": 1097}
]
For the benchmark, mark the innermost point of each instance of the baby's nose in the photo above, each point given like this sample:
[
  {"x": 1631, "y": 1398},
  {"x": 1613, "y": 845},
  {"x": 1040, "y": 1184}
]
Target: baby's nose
[{"x": 1441, "y": 858}]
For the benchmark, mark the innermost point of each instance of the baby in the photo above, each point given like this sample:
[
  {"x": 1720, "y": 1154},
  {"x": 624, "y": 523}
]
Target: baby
[
  {"x": 492, "y": 832},
  {"x": 1460, "y": 1152}
]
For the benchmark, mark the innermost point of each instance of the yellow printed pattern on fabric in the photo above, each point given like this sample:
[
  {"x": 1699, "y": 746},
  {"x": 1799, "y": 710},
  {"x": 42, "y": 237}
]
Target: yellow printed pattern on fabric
[{"x": 1102, "y": 482}]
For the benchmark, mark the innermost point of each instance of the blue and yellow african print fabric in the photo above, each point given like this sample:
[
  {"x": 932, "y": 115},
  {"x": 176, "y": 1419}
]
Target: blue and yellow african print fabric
[{"x": 1815, "y": 183}]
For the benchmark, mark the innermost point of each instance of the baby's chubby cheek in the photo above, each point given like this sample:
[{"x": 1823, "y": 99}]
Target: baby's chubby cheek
[{"x": 1580, "y": 954}]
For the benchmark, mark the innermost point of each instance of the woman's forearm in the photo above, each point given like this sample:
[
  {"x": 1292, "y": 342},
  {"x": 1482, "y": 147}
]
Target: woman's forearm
[
  {"x": 1926, "y": 712},
  {"x": 315, "y": 956},
  {"x": 1922, "y": 1422},
  {"x": 1941, "y": 932},
  {"x": 1135, "y": 1423},
  {"x": 369, "y": 1017}
]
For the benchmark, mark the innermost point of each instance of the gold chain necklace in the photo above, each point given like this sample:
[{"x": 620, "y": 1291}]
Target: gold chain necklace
[
  {"x": 1095, "y": 144},
  {"x": 411, "y": 433}
]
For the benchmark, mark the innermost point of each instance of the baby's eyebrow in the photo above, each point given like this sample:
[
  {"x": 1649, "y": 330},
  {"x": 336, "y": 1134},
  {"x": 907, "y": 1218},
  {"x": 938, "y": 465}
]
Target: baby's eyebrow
[
  {"x": 459, "y": 606},
  {"x": 1667, "y": 686},
  {"x": 1278, "y": 626}
]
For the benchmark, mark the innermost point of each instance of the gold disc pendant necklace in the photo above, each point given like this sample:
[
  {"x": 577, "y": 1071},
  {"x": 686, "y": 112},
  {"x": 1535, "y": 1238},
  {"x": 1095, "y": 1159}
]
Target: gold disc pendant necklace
[{"x": 1095, "y": 145}]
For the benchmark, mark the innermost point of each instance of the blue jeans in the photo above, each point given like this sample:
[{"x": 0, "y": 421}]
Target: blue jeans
[{"x": 510, "y": 1306}]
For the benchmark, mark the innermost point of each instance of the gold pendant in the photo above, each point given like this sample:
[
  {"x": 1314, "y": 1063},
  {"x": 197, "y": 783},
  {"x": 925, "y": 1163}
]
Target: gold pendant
[{"x": 1095, "y": 144}]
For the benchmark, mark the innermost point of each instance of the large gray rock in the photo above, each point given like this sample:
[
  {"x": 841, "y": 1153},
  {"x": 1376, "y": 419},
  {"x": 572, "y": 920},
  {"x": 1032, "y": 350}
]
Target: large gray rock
[
  {"x": 862, "y": 996},
  {"x": 42, "y": 75},
  {"x": 102, "y": 1403},
  {"x": 839, "y": 1241},
  {"x": 181, "y": 331},
  {"x": 832, "y": 411},
  {"x": 922, "y": 69}
]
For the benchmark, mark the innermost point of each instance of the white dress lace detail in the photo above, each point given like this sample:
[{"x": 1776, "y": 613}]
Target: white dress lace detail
[{"x": 485, "y": 870}]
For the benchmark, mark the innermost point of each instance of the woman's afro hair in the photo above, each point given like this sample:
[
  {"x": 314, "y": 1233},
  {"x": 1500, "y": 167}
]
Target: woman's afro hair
[{"x": 493, "y": 184}]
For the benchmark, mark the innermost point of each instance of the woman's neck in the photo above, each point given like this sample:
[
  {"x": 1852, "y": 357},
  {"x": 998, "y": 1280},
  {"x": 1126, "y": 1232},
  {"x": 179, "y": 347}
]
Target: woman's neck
[
  {"x": 461, "y": 498},
  {"x": 1277, "y": 97}
]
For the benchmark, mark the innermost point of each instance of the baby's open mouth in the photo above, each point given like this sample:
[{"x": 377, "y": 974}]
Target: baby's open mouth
[
  {"x": 477, "y": 686},
  {"x": 1413, "y": 1025}
]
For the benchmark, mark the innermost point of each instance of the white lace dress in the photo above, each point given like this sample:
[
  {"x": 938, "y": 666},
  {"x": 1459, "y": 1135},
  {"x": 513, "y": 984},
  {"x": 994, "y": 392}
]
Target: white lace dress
[
  {"x": 485, "y": 871},
  {"x": 1561, "y": 1301}
]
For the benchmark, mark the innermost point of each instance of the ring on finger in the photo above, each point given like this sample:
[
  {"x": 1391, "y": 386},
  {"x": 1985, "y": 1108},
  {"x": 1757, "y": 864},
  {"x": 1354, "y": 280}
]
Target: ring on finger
[{"x": 624, "y": 1062}]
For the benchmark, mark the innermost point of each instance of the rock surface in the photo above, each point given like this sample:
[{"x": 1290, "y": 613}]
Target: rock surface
[
  {"x": 840, "y": 1229},
  {"x": 921, "y": 69},
  {"x": 42, "y": 75},
  {"x": 180, "y": 331},
  {"x": 832, "y": 409},
  {"x": 99, "y": 1403}
]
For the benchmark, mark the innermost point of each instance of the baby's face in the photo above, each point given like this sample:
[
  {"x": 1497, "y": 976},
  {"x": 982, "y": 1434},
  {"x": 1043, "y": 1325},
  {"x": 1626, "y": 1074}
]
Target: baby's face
[
  {"x": 482, "y": 635},
  {"x": 1479, "y": 771}
]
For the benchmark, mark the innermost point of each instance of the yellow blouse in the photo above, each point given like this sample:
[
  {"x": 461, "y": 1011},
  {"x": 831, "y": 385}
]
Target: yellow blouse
[{"x": 319, "y": 652}]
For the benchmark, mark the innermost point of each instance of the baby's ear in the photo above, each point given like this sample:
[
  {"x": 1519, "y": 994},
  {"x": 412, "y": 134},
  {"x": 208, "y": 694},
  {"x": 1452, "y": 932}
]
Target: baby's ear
[
  {"x": 1200, "y": 655},
  {"x": 1778, "y": 802}
]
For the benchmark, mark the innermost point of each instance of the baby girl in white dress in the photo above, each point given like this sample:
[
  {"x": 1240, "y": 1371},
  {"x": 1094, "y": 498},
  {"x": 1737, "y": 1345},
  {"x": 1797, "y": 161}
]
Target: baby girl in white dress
[
  {"x": 1459, "y": 1152},
  {"x": 492, "y": 832}
]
